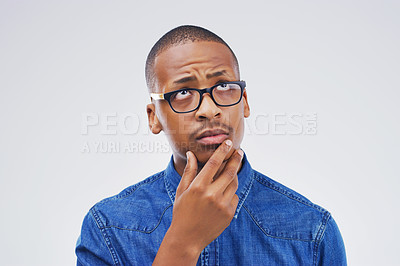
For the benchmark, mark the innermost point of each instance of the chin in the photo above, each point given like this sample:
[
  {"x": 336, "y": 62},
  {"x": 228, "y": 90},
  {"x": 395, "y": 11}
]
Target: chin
[{"x": 204, "y": 155}]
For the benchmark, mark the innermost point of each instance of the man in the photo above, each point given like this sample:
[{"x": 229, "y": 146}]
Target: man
[{"x": 209, "y": 206}]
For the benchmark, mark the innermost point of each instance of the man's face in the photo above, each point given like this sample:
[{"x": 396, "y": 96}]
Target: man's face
[{"x": 197, "y": 65}]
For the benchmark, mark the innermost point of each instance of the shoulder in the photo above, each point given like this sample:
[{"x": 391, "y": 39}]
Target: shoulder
[
  {"x": 283, "y": 213},
  {"x": 139, "y": 207}
]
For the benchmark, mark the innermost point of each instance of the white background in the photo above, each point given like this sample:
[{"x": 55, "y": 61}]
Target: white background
[{"x": 60, "y": 60}]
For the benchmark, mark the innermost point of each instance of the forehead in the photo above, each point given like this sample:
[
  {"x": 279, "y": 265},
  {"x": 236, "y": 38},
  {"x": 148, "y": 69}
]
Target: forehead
[{"x": 193, "y": 59}]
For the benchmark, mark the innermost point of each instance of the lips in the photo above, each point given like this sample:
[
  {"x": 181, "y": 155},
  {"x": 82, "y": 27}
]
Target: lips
[{"x": 212, "y": 137}]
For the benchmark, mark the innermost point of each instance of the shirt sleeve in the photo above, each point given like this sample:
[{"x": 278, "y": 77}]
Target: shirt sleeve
[
  {"x": 331, "y": 249},
  {"x": 91, "y": 247}
]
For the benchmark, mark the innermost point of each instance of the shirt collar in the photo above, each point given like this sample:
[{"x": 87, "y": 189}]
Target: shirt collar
[{"x": 245, "y": 177}]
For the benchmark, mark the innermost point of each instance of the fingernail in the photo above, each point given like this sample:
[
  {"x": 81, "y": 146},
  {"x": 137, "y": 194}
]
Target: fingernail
[
  {"x": 228, "y": 143},
  {"x": 240, "y": 153}
]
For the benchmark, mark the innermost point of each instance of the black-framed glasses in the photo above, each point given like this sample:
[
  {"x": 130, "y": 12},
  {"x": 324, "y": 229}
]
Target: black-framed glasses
[{"x": 187, "y": 100}]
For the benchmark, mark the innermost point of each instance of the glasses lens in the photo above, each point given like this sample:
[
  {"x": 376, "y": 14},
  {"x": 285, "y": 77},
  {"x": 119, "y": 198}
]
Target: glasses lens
[
  {"x": 227, "y": 94},
  {"x": 185, "y": 100}
]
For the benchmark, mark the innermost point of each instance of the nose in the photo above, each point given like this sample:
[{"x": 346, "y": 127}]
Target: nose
[{"x": 207, "y": 109}]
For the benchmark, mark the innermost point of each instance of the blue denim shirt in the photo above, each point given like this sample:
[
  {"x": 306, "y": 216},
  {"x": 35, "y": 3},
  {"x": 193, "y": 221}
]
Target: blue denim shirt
[{"x": 273, "y": 225}]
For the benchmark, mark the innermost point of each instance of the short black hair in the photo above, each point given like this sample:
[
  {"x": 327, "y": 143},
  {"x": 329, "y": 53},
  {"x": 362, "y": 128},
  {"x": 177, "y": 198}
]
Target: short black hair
[{"x": 180, "y": 35}]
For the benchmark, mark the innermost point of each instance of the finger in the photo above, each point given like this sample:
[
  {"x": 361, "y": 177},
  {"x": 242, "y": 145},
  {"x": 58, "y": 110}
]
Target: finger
[
  {"x": 231, "y": 189},
  {"x": 189, "y": 173},
  {"x": 209, "y": 170},
  {"x": 229, "y": 172},
  {"x": 234, "y": 203}
]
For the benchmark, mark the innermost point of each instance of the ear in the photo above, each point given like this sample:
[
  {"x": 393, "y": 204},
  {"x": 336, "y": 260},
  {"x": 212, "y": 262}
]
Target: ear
[
  {"x": 154, "y": 123},
  {"x": 246, "y": 105}
]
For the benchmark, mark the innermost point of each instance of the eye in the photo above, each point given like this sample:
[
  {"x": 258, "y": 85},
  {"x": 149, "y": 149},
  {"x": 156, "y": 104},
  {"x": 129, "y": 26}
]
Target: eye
[
  {"x": 182, "y": 95},
  {"x": 223, "y": 87}
]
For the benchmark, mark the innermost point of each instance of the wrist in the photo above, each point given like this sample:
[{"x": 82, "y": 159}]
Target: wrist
[
  {"x": 174, "y": 251},
  {"x": 182, "y": 246}
]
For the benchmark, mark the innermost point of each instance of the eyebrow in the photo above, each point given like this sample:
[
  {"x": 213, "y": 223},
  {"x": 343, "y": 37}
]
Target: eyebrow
[
  {"x": 184, "y": 80},
  {"x": 193, "y": 78},
  {"x": 216, "y": 74}
]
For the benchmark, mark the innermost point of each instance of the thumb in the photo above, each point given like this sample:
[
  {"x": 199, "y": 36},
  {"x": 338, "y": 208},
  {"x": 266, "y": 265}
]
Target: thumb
[{"x": 189, "y": 173}]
